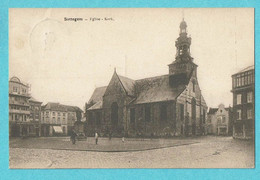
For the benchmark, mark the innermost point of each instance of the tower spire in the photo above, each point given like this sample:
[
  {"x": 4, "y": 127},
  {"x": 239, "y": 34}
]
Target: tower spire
[
  {"x": 183, "y": 64},
  {"x": 182, "y": 15},
  {"x": 183, "y": 43}
]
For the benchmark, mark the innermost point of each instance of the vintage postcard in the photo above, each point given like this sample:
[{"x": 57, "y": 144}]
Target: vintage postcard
[{"x": 131, "y": 88}]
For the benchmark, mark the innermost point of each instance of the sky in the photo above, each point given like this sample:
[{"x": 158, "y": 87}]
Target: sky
[{"x": 64, "y": 61}]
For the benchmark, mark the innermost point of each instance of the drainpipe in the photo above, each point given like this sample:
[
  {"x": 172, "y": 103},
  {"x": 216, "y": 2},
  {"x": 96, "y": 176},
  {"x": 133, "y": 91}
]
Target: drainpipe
[
  {"x": 186, "y": 110},
  {"x": 200, "y": 115}
]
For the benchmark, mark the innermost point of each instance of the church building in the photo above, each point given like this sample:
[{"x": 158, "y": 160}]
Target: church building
[{"x": 167, "y": 105}]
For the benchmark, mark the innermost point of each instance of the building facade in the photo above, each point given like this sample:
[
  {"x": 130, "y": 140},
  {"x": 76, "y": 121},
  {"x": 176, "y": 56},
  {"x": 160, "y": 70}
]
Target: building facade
[
  {"x": 20, "y": 123},
  {"x": 219, "y": 121},
  {"x": 167, "y": 105},
  {"x": 243, "y": 89},
  {"x": 58, "y": 119},
  {"x": 35, "y": 115}
]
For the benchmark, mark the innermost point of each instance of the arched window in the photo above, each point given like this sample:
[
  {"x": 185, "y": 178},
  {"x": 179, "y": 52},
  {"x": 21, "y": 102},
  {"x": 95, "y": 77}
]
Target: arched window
[
  {"x": 180, "y": 50},
  {"x": 114, "y": 114},
  {"x": 193, "y": 85},
  {"x": 185, "y": 48}
]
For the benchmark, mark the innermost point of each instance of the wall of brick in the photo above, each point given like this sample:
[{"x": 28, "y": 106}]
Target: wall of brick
[
  {"x": 156, "y": 125},
  {"x": 185, "y": 98},
  {"x": 115, "y": 93}
]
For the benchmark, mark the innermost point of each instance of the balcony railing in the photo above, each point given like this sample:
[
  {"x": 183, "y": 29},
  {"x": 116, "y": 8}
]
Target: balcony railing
[
  {"x": 18, "y": 102},
  {"x": 20, "y": 94},
  {"x": 19, "y": 111}
]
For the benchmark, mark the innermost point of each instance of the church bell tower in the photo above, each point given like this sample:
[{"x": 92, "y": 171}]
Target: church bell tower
[
  {"x": 183, "y": 65},
  {"x": 182, "y": 44}
]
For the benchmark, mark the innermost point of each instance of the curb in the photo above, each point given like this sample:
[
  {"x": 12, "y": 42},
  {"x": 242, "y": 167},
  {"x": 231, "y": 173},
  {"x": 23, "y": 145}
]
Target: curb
[{"x": 111, "y": 151}]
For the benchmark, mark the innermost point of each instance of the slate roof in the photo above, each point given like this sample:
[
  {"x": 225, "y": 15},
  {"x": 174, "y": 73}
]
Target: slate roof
[
  {"x": 34, "y": 100},
  {"x": 212, "y": 110},
  {"x": 75, "y": 108},
  {"x": 60, "y": 107},
  {"x": 97, "y": 105},
  {"x": 17, "y": 80},
  {"x": 97, "y": 94},
  {"x": 156, "y": 89},
  {"x": 252, "y": 67},
  {"x": 247, "y": 68},
  {"x": 229, "y": 109},
  {"x": 128, "y": 84}
]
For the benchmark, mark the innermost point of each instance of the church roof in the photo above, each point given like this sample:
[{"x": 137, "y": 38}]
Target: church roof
[
  {"x": 97, "y": 105},
  {"x": 128, "y": 84},
  {"x": 98, "y": 94},
  {"x": 156, "y": 89}
]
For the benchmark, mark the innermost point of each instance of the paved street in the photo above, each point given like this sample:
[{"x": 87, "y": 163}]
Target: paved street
[
  {"x": 201, "y": 152},
  {"x": 104, "y": 144}
]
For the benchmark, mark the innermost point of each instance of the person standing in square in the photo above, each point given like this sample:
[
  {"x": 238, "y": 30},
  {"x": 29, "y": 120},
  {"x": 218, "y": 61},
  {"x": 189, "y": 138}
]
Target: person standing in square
[{"x": 96, "y": 137}]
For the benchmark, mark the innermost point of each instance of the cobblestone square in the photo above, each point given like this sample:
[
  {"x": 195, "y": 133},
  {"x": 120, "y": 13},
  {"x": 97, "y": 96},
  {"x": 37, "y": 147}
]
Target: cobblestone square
[{"x": 199, "y": 152}]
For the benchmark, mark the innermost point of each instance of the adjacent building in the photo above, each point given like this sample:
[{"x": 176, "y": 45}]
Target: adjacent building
[
  {"x": 24, "y": 110},
  {"x": 19, "y": 109},
  {"x": 243, "y": 89},
  {"x": 219, "y": 121},
  {"x": 58, "y": 119},
  {"x": 167, "y": 105},
  {"x": 35, "y": 115}
]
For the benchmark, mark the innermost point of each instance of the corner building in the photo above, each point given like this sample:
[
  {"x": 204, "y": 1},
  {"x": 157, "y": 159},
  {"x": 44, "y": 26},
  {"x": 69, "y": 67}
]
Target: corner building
[
  {"x": 20, "y": 123},
  {"x": 243, "y": 89},
  {"x": 167, "y": 105}
]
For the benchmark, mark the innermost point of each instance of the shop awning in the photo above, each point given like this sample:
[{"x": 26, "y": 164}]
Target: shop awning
[{"x": 57, "y": 129}]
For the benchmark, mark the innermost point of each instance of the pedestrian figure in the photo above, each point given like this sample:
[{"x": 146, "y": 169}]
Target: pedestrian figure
[
  {"x": 123, "y": 139},
  {"x": 96, "y": 137},
  {"x": 73, "y": 137}
]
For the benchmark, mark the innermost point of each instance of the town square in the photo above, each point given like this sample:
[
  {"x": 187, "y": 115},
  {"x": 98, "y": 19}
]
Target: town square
[
  {"x": 134, "y": 88},
  {"x": 202, "y": 152}
]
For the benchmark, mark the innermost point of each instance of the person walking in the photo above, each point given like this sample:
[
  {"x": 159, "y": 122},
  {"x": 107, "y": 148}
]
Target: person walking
[
  {"x": 123, "y": 137},
  {"x": 96, "y": 137},
  {"x": 73, "y": 137}
]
